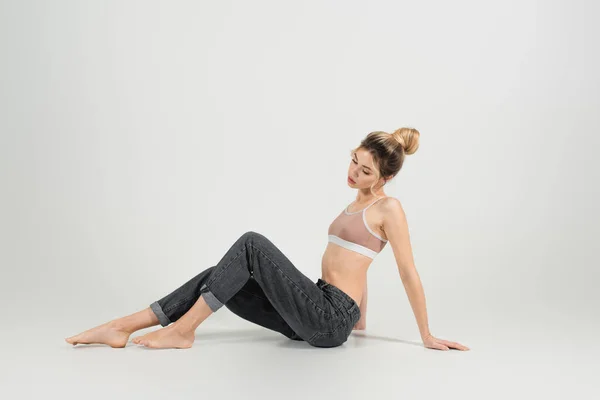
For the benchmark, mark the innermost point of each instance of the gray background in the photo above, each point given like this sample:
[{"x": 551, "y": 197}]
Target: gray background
[{"x": 139, "y": 139}]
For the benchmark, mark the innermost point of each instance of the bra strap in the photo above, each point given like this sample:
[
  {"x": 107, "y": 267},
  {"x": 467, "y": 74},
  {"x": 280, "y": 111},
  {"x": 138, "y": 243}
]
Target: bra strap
[{"x": 374, "y": 202}]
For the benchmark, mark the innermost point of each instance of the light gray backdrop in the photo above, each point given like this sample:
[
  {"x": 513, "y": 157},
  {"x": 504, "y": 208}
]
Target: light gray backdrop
[{"x": 139, "y": 139}]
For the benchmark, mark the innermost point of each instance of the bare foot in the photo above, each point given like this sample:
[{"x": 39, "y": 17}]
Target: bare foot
[
  {"x": 168, "y": 337},
  {"x": 108, "y": 333}
]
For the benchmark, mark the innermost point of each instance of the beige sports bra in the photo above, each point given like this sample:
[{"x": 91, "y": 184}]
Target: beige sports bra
[{"x": 350, "y": 230}]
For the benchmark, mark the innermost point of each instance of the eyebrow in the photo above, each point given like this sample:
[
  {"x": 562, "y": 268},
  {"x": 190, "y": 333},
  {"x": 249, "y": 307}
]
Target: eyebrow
[{"x": 363, "y": 164}]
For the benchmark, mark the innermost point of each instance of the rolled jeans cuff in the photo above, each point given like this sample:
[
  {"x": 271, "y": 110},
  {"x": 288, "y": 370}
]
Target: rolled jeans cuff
[
  {"x": 213, "y": 303},
  {"x": 162, "y": 318}
]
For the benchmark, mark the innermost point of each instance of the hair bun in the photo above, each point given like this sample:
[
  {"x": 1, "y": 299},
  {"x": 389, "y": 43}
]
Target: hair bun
[
  {"x": 400, "y": 140},
  {"x": 408, "y": 138}
]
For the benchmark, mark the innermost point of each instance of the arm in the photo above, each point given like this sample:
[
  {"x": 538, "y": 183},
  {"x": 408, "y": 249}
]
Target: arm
[
  {"x": 396, "y": 230},
  {"x": 395, "y": 227}
]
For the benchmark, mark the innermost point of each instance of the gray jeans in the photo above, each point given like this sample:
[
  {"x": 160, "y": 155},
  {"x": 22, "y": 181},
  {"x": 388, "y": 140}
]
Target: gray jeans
[{"x": 257, "y": 282}]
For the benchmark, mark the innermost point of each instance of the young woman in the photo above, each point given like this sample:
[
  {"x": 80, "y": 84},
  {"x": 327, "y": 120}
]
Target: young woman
[{"x": 257, "y": 282}]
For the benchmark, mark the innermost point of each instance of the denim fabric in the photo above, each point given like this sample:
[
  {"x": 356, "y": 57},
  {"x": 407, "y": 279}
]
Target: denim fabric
[{"x": 257, "y": 282}]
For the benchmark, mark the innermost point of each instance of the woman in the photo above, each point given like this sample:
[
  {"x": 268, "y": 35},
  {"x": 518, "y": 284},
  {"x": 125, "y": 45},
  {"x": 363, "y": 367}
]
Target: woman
[{"x": 257, "y": 282}]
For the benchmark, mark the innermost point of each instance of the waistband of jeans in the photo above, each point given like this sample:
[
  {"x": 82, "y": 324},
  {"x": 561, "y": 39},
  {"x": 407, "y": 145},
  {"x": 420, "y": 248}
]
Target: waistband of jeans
[{"x": 342, "y": 301}]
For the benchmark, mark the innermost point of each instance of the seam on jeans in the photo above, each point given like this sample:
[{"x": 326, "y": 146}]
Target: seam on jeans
[
  {"x": 312, "y": 337},
  {"x": 180, "y": 302},
  {"x": 320, "y": 334},
  {"x": 172, "y": 306},
  {"x": 213, "y": 278},
  {"x": 255, "y": 295},
  {"x": 293, "y": 283}
]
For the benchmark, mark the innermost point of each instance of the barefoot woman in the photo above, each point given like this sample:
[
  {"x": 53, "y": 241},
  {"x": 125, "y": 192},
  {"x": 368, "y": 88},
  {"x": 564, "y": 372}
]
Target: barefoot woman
[{"x": 257, "y": 282}]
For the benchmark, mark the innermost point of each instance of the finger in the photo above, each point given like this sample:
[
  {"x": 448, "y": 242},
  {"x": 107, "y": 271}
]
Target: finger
[
  {"x": 438, "y": 346},
  {"x": 454, "y": 345},
  {"x": 458, "y": 347}
]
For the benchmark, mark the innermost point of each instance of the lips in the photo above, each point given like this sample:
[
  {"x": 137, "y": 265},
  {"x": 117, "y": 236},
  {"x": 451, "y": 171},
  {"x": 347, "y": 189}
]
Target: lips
[{"x": 350, "y": 179}]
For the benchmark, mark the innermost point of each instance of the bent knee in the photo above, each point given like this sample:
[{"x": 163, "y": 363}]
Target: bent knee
[
  {"x": 250, "y": 234},
  {"x": 254, "y": 237}
]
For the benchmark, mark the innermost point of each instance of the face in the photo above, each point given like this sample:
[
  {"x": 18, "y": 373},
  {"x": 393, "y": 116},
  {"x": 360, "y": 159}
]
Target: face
[{"x": 361, "y": 170}]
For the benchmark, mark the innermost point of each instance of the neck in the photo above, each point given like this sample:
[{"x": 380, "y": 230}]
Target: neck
[{"x": 367, "y": 196}]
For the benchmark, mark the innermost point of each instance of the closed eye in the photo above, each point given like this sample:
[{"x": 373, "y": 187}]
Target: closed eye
[{"x": 364, "y": 172}]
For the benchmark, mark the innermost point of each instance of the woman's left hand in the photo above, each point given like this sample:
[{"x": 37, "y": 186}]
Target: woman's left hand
[{"x": 432, "y": 342}]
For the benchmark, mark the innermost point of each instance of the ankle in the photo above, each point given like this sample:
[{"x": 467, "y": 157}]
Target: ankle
[
  {"x": 122, "y": 324},
  {"x": 183, "y": 328}
]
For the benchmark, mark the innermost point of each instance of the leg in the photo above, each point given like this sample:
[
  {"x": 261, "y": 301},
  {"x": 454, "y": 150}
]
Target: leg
[
  {"x": 180, "y": 334},
  {"x": 297, "y": 299},
  {"x": 174, "y": 305},
  {"x": 116, "y": 333},
  {"x": 180, "y": 312},
  {"x": 251, "y": 304}
]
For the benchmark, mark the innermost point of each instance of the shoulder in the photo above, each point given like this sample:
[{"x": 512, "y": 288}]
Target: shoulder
[
  {"x": 392, "y": 205},
  {"x": 392, "y": 210}
]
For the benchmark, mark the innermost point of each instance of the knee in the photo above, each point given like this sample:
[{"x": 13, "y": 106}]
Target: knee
[
  {"x": 249, "y": 234},
  {"x": 254, "y": 240},
  {"x": 252, "y": 236}
]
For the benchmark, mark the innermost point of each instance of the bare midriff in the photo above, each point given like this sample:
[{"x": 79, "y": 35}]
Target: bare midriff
[{"x": 345, "y": 269}]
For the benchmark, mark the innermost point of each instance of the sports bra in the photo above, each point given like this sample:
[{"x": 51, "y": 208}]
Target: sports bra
[{"x": 350, "y": 230}]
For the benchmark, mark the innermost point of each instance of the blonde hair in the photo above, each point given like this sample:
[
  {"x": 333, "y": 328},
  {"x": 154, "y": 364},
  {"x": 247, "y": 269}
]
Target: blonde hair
[{"x": 388, "y": 150}]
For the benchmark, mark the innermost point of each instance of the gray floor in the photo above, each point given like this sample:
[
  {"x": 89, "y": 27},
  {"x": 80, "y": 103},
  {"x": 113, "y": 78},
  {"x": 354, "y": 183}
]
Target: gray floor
[{"x": 541, "y": 357}]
